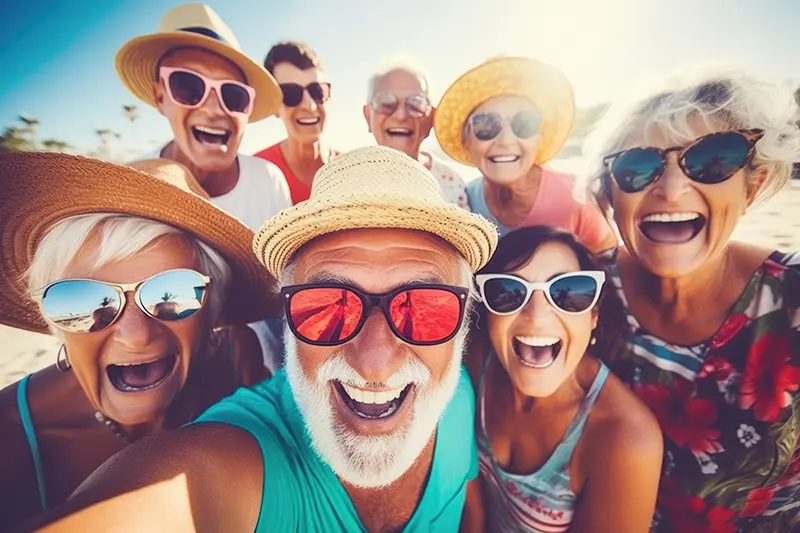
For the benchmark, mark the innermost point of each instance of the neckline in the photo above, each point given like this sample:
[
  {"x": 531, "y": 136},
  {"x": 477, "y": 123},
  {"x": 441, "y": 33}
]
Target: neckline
[{"x": 504, "y": 228}]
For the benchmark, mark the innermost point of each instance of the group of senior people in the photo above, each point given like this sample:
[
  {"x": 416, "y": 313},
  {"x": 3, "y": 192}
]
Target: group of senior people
[{"x": 421, "y": 355}]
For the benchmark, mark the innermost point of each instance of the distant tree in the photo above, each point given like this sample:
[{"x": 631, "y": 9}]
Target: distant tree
[
  {"x": 14, "y": 139},
  {"x": 30, "y": 123},
  {"x": 54, "y": 145},
  {"x": 105, "y": 135}
]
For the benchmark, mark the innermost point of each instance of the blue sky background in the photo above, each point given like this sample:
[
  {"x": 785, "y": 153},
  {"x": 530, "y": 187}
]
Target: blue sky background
[{"x": 57, "y": 57}]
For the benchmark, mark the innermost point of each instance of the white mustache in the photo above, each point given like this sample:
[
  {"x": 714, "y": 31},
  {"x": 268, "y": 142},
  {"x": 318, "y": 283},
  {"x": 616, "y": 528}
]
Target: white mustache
[{"x": 336, "y": 368}]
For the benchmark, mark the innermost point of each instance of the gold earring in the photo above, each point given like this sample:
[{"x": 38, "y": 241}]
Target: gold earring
[{"x": 63, "y": 365}]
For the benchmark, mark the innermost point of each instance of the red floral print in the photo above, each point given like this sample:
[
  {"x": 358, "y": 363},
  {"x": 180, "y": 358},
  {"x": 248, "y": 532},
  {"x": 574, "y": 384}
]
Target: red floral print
[
  {"x": 768, "y": 379},
  {"x": 716, "y": 368},
  {"x": 757, "y": 501},
  {"x": 729, "y": 329},
  {"x": 692, "y": 514}
]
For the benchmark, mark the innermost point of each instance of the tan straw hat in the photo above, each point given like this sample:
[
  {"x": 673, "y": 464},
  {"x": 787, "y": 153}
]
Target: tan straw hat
[
  {"x": 40, "y": 189},
  {"x": 373, "y": 187},
  {"x": 542, "y": 84},
  {"x": 199, "y": 26}
]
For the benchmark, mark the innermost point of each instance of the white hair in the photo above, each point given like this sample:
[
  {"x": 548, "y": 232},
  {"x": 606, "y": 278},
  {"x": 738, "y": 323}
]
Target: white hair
[
  {"x": 733, "y": 97},
  {"x": 122, "y": 237},
  {"x": 403, "y": 63}
]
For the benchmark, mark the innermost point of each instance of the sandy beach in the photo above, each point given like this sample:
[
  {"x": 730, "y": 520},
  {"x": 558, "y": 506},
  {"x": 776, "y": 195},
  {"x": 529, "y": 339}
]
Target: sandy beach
[{"x": 775, "y": 224}]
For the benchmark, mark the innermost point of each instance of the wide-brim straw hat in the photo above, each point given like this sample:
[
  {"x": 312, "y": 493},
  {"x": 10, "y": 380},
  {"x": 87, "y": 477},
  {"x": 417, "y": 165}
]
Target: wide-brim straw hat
[
  {"x": 374, "y": 187},
  {"x": 193, "y": 25},
  {"x": 41, "y": 189},
  {"x": 544, "y": 85}
]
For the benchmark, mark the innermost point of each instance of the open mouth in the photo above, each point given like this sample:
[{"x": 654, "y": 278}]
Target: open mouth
[
  {"x": 143, "y": 376},
  {"x": 211, "y": 136},
  {"x": 504, "y": 158},
  {"x": 537, "y": 352},
  {"x": 372, "y": 404},
  {"x": 399, "y": 132},
  {"x": 310, "y": 121},
  {"x": 672, "y": 228}
]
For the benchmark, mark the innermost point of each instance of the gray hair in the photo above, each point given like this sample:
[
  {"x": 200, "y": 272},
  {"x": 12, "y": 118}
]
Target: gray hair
[
  {"x": 732, "y": 97},
  {"x": 122, "y": 237},
  {"x": 403, "y": 63}
]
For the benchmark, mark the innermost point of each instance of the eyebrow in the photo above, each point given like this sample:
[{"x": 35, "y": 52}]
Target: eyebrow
[{"x": 329, "y": 277}]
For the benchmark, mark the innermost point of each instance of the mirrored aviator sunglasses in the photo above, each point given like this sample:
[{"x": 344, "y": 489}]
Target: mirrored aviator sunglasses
[
  {"x": 416, "y": 105},
  {"x": 87, "y": 305},
  {"x": 293, "y": 93},
  {"x": 333, "y": 314},
  {"x": 710, "y": 159},
  {"x": 572, "y": 293},
  {"x": 524, "y": 124}
]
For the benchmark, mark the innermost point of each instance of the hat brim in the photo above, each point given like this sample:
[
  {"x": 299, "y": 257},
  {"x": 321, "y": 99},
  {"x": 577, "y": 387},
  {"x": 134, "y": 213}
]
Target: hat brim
[
  {"x": 542, "y": 84},
  {"x": 283, "y": 235},
  {"x": 137, "y": 60},
  {"x": 57, "y": 186}
]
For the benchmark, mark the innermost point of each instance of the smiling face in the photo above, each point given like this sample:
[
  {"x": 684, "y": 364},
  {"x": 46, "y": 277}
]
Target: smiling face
[
  {"x": 132, "y": 370},
  {"x": 507, "y": 157},
  {"x": 540, "y": 346},
  {"x": 372, "y": 404},
  {"x": 675, "y": 225},
  {"x": 304, "y": 122},
  {"x": 207, "y": 136}
]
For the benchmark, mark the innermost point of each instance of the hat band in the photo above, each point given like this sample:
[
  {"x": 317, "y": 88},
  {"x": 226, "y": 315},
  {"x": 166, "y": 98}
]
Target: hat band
[{"x": 205, "y": 31}]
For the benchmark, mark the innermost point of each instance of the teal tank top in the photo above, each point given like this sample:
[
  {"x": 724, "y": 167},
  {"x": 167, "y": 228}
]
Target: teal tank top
[{"x": 302, "y": 493}]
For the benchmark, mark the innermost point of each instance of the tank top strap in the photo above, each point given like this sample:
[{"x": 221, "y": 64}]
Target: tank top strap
[
  {"x": 30, "y": 434},
  {"x": 483, "y": 436}
]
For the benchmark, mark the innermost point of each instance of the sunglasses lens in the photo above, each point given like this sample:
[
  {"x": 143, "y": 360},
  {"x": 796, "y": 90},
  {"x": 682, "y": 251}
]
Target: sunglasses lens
[
  {"x": 173, "y": 295},
  {"x": 417, "y": 106},
  {"x": 319, "y": 92},
  {"x": 526, "y": 124},
  {"x": 717, "y": 157},
  {"x": 187, "y": 88},
  {"x": 235, "y": 97},
  {"x": 81, "y": 306},
  {"x": 425, "y": 315},
  {"x": 504, "y": 295},
  {"x": 385, "y": 103},
  {"x": 486, "y": 126},
  {"x": 635, "y": 169},
  {"x": 574, "y": 294},
  {"x": 325, "y": 315},
  {"x": 292, "y": 94}
]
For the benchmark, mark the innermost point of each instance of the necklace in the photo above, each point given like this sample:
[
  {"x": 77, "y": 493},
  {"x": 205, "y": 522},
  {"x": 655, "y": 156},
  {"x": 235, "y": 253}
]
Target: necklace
[{"x": 113, "y": 426}]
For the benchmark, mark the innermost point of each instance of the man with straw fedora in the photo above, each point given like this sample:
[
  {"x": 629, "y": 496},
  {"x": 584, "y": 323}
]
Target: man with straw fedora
[
  {"x": 369, "y": 427},
  {"x": 194, "y": 73}
]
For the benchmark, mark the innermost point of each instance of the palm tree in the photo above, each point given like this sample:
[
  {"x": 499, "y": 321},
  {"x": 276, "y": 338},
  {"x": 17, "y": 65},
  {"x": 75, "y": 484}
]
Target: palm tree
[
  {"x": 54, "y": 145},
  {"x": 104, "y": 134},
  {"x": 30, "y": 127},
  {"x": 131, "y": 113},
  {"x": 13, "y": 140}
]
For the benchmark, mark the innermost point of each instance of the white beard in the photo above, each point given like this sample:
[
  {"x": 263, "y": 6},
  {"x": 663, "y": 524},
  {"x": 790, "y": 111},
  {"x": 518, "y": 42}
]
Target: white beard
[{"x": 370, "y": 461}]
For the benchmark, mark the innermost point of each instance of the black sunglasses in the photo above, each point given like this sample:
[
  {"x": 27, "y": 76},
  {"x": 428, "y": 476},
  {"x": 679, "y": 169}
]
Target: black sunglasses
[
  {"x": 487, "y": 126},
  {"x": 417, "y": 105},
  {"x": 710, "y": 159},
  {"x": 293, "y": 93},
  {"x": 330, "y": 314}
]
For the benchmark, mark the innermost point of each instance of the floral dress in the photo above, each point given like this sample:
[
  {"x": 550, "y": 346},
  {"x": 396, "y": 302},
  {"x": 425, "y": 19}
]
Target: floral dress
[{"x": 729, "y": 409}]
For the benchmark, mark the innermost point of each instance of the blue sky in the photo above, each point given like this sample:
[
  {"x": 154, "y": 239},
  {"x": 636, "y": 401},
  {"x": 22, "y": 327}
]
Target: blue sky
[{"x": 57, "y": 57}]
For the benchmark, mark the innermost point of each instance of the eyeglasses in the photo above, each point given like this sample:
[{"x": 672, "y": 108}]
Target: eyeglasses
[
  {"x": 572, "y": 293},
  {"x": 87, "y": 305},
  {"x": 293, "y": 93},
  {"x": 416, "y": 105},
  {"x": 190, "y": 89},
  {"x": 487, "y": 126},
  {"x": 710, "y": 159},
  {"x": 333, "y": 313}
]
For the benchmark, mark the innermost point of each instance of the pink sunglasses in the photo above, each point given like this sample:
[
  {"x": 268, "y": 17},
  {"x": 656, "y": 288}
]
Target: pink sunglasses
[{"x": 190, "y": 89}]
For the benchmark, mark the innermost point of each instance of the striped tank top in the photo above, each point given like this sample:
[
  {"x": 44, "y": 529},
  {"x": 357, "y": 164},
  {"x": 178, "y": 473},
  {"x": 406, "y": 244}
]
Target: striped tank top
[{"x": 541, "y": 502}]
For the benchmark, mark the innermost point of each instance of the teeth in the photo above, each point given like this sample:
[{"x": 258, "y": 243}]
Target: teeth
[
  {"x": 670, "y": 217},
  {"x": 504, "y": 158},
  {"x": 308, "y": 121},
  {"x": 376, "y": 397},
  {"x": 398, "y": 130},
  {"x": 538, "y": 341},
  {"x": 211, "y": 131}
]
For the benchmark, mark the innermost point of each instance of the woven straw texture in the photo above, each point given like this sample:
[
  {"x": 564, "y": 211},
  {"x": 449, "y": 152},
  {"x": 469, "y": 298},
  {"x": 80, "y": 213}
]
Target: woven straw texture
[
  {"x": 373, "y": 187},
  {"x": 543, "y": 84},
  {"x": 137, "y": 59},
  {"x": 41, "y": 189}
]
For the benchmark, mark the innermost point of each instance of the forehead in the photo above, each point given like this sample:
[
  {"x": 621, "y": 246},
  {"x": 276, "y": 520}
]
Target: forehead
[
  {"x": 285, "y": 72},
  {"x": 203, "y": 61},
  {"x": 377, "y": 260},
  {"x": 509, "y": 103},
  {"x": 399, "y": 80},
  {"x": 677, "y": 131},
  {"x": 549, "y": 259}
]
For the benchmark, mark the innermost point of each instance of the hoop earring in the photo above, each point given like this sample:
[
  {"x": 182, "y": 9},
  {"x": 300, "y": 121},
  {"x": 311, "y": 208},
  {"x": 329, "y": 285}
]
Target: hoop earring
[{"x": 63, "y": 364}]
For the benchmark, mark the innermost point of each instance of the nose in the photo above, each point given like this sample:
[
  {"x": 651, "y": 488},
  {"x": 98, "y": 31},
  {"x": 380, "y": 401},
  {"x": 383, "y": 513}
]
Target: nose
[
  {"x": 506, "y": 135},
  {"x": 307, "y": 102},
  {"x": 374, "y": 353},
  {"x": 400, "y": 112},
  {"x": 134, "y": 329},
  {"x": 213, "y": 104},
  {"x": 537, "y": 307},
  {"x": 673, "y": 183}
]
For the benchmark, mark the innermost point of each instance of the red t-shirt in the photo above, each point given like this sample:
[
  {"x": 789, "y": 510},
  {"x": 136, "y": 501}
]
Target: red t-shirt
[{"x": 298, "y": 190}]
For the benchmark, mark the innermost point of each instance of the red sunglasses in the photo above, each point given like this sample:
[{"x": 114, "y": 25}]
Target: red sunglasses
[{"x": 330, "y": 314}]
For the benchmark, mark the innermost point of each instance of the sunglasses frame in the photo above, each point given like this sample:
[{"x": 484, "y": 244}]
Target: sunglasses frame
[
  {"x": 597, "y": 275},
  {"x": 322, "y": 84},
  {"x": 368, "y": 302},
  {"x": 751, "y": 135},
  {"x": 503, "y": 122},
  {"x": 210, "y": 84},
  {"x": 122, "y": 289},
  {"x": 373, "y": 103}
]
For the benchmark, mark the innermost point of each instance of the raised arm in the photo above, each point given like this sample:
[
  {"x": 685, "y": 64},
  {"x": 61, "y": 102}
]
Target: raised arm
[{"x": 205, "y": 477}]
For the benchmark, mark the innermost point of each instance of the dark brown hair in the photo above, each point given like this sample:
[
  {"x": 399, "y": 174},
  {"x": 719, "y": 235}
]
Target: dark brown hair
[
  {"x": 517, "y": 248},
  {"x": 296, "y": 53}
]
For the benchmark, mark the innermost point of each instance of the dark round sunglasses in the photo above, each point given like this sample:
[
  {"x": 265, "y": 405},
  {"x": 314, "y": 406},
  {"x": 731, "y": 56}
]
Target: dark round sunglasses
[
  {"x": 293, "y": 93},
  {"x": 710, "y": 159},
  {"x": 572, "y": 293},
  {"x": 487, "y": 126},
  {"x": 331, "y": 314},
  {"x": 88, "y": 305},
  {"x": 416, "y": 105}
]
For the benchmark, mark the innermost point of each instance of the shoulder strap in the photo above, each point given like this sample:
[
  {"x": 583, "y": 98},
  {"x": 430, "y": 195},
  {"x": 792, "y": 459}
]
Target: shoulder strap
[{"x": 30, "y": 434}]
